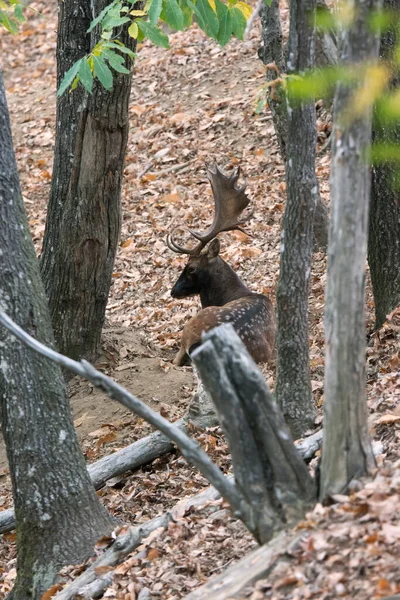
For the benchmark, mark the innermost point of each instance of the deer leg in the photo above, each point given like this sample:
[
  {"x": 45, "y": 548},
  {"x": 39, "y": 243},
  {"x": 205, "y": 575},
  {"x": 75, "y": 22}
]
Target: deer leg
[{"x": 181, "y": 357}]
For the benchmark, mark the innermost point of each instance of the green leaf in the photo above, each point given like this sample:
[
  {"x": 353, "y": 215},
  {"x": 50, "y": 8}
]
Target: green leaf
[
  {"x": 268, "y": 2},
  {"x": 187, "y": 14},
  {"x": 385, "y": 152},
  {"x": 154, "y": 11},
  {"x": 86, "y": 75},
  {"x": 102, "y": 72},
  {"x": 110, "y": 22},
  {"x": 325, "y": 20},
  {"x": 18, "y": 13},
  {"x": 69, "y": 77},
  {"x": 225, "y": 23},
  {"x": 172, "y": 14},
  {"x": 154, "y": 34},
  {"x": 100, "y": 17},
  {"x": 238, "y": 23},
  {"x": 8, "y": 23},
  {"x": 116, "y": 61},
  {"x": 206, "y": 17},
  {"x": 122, "y": 48}
]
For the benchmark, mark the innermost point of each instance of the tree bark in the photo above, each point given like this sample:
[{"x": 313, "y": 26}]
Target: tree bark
[
  {"x": 384, "y": 220},
  {"x": 347, "y": 451},
  {"x": 293, "y": 385},
  {"x": 269, "y": 473},
  {"x": 84, "y": 217},
  {"x": 58, "y": 514},
  {"x": 272, "y": 54}
]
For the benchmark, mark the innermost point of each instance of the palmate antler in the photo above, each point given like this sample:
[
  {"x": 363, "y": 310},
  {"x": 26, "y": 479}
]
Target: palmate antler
[{"x": 230, "y": 201}]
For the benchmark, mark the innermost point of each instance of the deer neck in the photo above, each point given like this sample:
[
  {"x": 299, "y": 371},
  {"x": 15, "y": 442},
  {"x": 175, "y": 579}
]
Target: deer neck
[{"x": 222, "y": 286}]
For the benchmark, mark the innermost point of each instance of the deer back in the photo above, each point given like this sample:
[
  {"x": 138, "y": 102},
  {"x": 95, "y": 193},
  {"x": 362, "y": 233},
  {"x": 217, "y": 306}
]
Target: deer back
[{"x": 252, "y": 317}]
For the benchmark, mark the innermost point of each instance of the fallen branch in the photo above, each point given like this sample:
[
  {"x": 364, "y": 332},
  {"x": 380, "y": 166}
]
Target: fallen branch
[
  {"x": 256, "y": 565},
  {"x": 189, "y": 448},
  {"x": 143, "y": 452},
  {"x": 140, "y": 453},
  {"x": 88, "y": 585},
  {"x": 174, "y": 168}
]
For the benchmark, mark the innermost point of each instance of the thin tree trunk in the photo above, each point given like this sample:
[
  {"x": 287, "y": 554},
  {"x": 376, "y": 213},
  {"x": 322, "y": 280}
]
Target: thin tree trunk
[
  {"x": 84, "y": 216},
  {"x": 293, "y": 386},
  {"x": 58, "y": 514},
  {"x": 347, "y": 451},
  {"x": 271, "y": 53},
  {"x": 384, "y": 220}
]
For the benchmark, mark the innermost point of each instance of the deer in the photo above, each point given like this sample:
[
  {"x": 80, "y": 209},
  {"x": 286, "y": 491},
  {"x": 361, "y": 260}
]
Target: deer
[{"x": 224, "y": 296}]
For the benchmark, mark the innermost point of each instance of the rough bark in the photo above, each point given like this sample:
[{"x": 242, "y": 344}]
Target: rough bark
[
  {"x": 347, "y": 451},
  {"x": 84, "y": 216},
  {"x": 293, "y": 385},
  {"x": 326, "y": 43},
  {"x": 384, "y": 220},
  {"x": 58, "y": 514},
  {"x": 272, "y": 54},
  {"x": 269, "y": 473}
]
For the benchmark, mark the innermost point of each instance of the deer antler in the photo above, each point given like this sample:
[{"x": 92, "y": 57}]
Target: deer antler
[{"x": 229, "y": 200}]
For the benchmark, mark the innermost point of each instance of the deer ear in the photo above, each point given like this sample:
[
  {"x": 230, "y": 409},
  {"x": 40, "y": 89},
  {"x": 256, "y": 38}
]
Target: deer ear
[{"x": 213, "y": 248}]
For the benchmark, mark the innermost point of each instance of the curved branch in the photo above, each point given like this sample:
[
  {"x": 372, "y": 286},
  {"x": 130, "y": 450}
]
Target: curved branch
[{"x": 189, "y": 448}]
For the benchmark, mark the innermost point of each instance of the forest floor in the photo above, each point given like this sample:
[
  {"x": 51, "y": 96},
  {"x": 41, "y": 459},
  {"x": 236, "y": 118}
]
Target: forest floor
[{"x": 191, "y": 104}]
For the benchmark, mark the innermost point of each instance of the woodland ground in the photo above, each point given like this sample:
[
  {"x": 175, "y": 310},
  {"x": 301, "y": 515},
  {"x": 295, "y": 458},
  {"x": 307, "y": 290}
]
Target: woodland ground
[{"x": 192, "y": 103}]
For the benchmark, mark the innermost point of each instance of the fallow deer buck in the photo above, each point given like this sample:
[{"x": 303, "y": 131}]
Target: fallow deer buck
[{"x": 224, "y": 297}]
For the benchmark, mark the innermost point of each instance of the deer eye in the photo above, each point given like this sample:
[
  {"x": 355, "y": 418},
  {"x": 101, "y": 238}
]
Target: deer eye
[{"x": 191, "y": 269}]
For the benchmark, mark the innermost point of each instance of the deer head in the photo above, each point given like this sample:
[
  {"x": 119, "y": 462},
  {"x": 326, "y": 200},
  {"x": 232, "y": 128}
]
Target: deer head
[{"x": 205, "y": 272}]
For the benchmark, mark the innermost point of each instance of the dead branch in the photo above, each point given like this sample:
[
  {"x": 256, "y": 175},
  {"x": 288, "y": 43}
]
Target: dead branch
[
  {"x": 143, "y": 452},
  {"x": 278, "y": 486},
  {"x": 256, "y": 565},
  {"x": 89, "y": 584},
  {"x": 189, "y": 448}
]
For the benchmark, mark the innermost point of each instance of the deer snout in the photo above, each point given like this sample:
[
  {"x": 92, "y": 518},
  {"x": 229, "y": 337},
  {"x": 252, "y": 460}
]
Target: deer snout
[{"x": 176, "y": 292}]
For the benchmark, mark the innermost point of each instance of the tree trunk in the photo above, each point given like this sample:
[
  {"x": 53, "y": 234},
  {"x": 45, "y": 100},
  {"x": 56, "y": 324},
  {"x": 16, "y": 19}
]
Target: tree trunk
[
  {"x": 58, "y": 514},
  {"x": 347, "y": 451},
  {"x": 384, "y": 220},
  {"x": 271, "y": 53},
  {"x": 83, "y": 220},
  {"x": 293, "y": 385}
]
